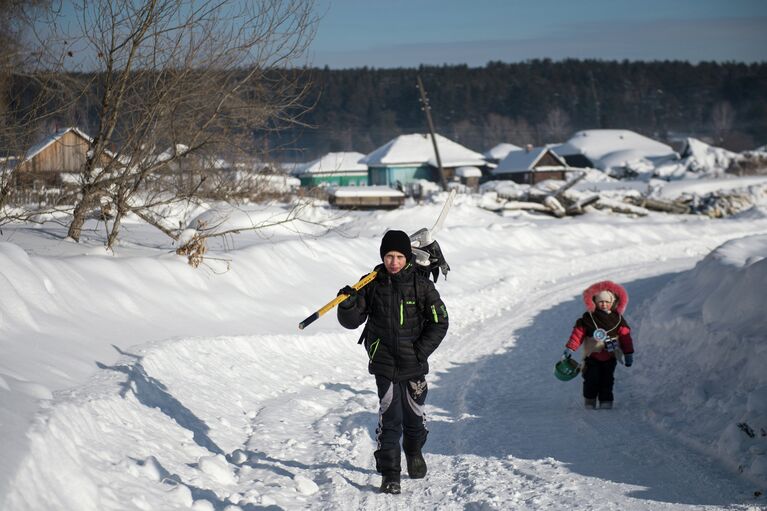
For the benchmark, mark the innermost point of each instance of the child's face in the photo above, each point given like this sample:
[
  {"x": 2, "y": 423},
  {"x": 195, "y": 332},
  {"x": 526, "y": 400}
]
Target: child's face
[
  {"x": 605, "y": 305},
  {"x": 394, "y": 261}
]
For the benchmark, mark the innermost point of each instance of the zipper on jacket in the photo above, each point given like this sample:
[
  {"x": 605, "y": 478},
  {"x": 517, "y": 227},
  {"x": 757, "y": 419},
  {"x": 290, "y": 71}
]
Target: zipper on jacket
[
  {"x": 394, "y": 331},
  {"x": 401, "y": 312}
]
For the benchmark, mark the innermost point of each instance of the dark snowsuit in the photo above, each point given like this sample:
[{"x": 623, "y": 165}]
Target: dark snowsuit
[{"x": 406, "y": 321}]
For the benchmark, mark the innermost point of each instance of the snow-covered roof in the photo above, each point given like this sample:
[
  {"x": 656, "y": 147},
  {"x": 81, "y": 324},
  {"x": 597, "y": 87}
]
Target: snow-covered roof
[
  {"x": 334, "y": 163},
  {"x": 500, "y": 151},
  {"x": 417, "y": 149},
  {"x": 38, "y": 148},
  {"x": 525, "y": 161},
  {"x": 171, "y": 152},
  {"x": 468, "y": 172},
  {"x": 366, "y": 191},
  {"x": 617, "y": 149},
  {"x": 596, "y": 144}
]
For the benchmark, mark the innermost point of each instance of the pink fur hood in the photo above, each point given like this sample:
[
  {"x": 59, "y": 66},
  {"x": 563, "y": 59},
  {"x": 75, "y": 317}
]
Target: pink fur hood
[{"x": 606, "y": 285}]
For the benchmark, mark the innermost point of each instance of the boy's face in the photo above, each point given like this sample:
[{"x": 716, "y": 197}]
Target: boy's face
[
  {"x": 394, "y": 261},
  {"x": 605, "y": 305}
]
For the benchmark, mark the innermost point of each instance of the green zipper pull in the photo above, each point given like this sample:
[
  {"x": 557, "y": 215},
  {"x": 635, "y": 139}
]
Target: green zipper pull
[{"x": 373, "y": 348}]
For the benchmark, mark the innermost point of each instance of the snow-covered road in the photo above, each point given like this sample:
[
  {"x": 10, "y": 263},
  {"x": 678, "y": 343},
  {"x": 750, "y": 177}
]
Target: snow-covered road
[{"x": 287, "y": 420}]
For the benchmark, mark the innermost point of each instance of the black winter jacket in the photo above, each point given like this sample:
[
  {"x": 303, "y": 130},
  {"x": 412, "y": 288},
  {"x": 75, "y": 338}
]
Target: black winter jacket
[{"x": 406, "y": 321}]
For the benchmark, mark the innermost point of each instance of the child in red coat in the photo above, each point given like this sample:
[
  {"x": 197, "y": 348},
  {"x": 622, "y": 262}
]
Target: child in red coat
[{"x": 606, "y": 339}]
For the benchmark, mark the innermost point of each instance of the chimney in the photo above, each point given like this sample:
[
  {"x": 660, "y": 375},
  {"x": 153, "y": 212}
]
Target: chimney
[{"x": 528, "y": 148}]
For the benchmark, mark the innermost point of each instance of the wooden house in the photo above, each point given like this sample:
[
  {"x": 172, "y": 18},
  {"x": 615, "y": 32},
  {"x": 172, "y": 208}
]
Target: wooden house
[
  {"x": 57, "y": 155},
  {"x": 409, "y": 158},
  {"x": 530, "y": 166}
]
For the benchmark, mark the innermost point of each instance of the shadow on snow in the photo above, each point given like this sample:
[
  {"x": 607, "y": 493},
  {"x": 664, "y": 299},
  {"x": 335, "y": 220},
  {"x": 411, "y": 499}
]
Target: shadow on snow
[
  {"x": 151, "y": 392},
  {"x": 518, "y": 408}
]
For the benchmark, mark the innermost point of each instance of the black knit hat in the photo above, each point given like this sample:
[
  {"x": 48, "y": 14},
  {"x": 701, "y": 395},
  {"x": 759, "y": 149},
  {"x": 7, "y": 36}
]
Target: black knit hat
[{"x": 396, "y": 240}]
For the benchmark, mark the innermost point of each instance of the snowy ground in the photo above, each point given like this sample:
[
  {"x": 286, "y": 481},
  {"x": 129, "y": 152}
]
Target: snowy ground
[{"x": 160, "y": 386}]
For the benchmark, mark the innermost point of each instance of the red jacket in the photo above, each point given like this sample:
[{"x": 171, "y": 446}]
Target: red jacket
[{"x": 581, "y": 331}]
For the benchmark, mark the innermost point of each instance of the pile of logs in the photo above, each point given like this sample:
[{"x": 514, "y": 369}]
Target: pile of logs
[
  {"x": 556, "y": 202},
  {"x": 563, "y": 201},
  {"x": 724, "y": 204}
]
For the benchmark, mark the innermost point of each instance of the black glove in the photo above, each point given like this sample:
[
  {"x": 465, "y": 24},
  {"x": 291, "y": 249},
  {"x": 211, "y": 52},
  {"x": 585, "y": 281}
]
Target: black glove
[{"x": 352, "y": 300}]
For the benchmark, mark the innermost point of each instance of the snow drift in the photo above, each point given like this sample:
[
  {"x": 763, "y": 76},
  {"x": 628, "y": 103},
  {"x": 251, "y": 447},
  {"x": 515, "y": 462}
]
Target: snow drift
[{"x": 706, "y": 334}]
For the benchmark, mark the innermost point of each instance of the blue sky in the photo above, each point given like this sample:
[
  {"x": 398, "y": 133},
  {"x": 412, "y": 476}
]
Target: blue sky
[{"x": 406, "y": 33}]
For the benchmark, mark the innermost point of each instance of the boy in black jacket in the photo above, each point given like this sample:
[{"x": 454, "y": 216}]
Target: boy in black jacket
[{"x": 406, "y": 321}]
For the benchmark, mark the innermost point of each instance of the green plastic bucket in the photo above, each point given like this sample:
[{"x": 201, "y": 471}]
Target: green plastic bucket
[{"x": 567, "y": 369}]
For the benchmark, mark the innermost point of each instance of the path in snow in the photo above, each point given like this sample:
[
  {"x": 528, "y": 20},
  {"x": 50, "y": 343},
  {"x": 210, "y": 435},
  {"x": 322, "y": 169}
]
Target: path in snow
[{"x": 288, "y": 421}]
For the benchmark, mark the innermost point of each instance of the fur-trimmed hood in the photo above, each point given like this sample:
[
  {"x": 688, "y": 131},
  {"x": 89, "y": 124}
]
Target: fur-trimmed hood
[{"x": 606, "y": 285}]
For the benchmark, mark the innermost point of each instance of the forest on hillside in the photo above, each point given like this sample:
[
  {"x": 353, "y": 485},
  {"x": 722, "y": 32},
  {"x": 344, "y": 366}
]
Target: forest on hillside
[{"x": 536, "y": 102}]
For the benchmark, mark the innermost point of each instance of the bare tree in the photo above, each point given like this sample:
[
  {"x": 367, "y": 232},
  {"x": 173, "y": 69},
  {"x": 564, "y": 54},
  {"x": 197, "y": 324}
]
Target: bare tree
[
  {"x": 498, "y": 128},
  {"x": 30, "y": 94},
  {"x": 177, "y": 83},
  {"x": 722, "y": 119},
  {"x": 556, "y": 126}
]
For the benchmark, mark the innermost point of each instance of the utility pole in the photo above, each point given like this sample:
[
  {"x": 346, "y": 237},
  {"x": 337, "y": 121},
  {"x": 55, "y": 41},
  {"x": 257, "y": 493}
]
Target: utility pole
[{"x": 427, "y": 108}]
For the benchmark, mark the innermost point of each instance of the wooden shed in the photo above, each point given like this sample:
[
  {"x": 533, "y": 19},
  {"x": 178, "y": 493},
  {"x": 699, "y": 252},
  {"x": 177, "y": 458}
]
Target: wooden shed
[
  {"x": 64, "y": 152},
  {"x": 469, "y": 176},
  {"x": 368, "y": 197}
]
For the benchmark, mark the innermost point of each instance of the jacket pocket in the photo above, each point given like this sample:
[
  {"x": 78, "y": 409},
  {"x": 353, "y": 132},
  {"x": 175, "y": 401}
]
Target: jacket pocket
[{"x": 407, "y": 309}]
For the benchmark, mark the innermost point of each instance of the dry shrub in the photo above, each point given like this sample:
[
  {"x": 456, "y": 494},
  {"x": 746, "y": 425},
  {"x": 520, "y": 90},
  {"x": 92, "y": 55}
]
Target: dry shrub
[{"x": 194, "y": 249}]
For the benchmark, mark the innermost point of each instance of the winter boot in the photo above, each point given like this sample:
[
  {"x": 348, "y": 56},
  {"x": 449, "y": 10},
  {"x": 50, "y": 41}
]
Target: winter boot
[
  {"x": 605, "y": 405},
  {"x": 390, "y": 484},
  {"x": 590, "y": 404},
  {"x": 416, "y": 466}
]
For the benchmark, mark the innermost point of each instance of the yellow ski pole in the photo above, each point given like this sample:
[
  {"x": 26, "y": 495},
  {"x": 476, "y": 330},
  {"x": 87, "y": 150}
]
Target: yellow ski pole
[{"x": 364, "y": 281}]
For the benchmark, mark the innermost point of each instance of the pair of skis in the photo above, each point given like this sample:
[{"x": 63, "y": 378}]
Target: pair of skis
[{"x": 428, "y": 258}]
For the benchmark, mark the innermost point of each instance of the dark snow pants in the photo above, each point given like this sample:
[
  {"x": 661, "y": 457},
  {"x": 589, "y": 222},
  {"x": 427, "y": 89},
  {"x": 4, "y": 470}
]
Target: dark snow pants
[
  {"x": 598, "y": 379},
  {"x": 400, "y": 414}
]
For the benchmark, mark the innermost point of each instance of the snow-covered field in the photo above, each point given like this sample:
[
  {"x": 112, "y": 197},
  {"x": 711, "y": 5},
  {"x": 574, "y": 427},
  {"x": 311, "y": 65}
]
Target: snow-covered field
[{"x": 134, "y": 381}]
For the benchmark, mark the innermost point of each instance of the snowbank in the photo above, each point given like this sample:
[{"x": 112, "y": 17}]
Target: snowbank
[
  {"x": 698, "y": 159},
  {"x": 705, "y": 342},
  {"x": 150, "y": 371}
]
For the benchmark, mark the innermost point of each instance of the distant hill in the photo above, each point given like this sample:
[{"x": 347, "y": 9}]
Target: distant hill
[
  {"x": 537, "y": 102},
  {"x": 534, "y": 102}
]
